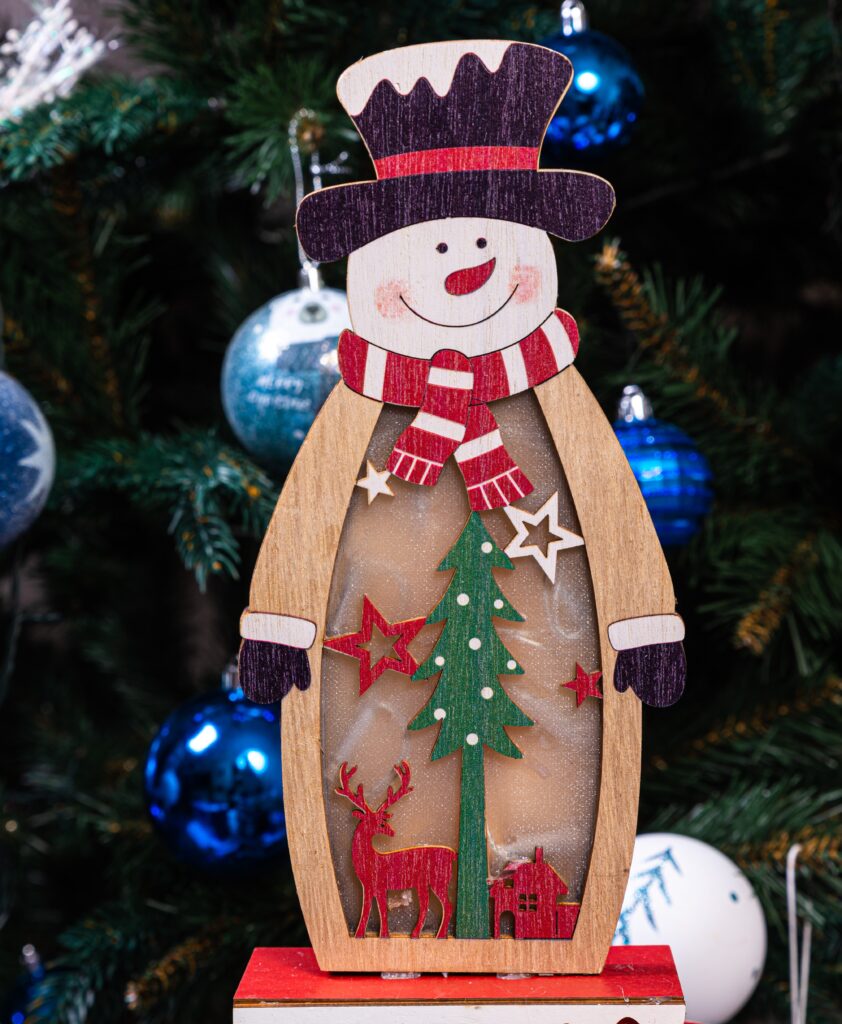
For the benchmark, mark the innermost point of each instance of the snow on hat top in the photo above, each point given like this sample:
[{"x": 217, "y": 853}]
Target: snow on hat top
[{"x": 434, "y": 61}]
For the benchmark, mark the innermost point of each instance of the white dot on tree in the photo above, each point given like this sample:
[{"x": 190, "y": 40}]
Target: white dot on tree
[
  {"x": 511, "y": 664},
  {"x": 475, "y": 643},
  {"x": 486, "y": 550},
  {"x": 472, "y": 739},
  {"x": 498, "y": 603},
  {"x": 439, "y": 660},
  {"x": 439, "y": 714},
  {"x": 486, "y": 693},
  {"x": 463, "y": 599}
]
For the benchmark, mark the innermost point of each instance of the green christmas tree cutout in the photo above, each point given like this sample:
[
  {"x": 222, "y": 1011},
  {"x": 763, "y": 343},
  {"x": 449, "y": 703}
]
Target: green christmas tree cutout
[{"x": 469, "y": 703}]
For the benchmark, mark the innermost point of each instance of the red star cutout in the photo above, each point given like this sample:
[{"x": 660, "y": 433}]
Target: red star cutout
[
  {"x": 586, "y": 684},
  {"x": 352, "y": 644}
]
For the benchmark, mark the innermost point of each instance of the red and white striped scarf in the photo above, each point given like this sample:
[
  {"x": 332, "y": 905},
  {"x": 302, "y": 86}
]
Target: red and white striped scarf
[{"x": 451, "y": 392}]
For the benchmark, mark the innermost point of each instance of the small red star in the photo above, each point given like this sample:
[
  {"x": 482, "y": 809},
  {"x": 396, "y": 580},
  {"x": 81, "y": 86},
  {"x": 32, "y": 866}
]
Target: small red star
[
  {"x": 586, "y": 684},
  {"x": 352, "y": 644}
]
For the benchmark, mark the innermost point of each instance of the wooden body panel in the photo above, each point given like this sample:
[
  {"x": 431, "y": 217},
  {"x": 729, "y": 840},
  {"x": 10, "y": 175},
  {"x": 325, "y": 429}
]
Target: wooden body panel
[{"x": 630, "y": 578}]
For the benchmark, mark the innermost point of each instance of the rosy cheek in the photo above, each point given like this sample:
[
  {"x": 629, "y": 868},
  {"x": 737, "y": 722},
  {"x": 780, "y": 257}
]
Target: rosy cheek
[
  {"x": 387, "y": 299},
  {"x": 527, "y": 280}
]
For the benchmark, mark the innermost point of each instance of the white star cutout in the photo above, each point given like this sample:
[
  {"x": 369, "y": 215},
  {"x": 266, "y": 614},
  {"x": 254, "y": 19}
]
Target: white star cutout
[
  {"x": 374, "y": 482},
  {"x": 521, "y": 520}
]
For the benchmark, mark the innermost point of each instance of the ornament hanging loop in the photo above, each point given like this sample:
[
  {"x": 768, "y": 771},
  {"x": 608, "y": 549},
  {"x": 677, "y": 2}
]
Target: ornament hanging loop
[
  {"x": 799, "y": 973},
  {"x": 574, "y": 17},
  {"x": 305, "y": 132}
]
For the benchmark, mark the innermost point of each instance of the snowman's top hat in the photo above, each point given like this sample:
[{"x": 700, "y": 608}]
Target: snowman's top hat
[{"x": 455, "y": 130}]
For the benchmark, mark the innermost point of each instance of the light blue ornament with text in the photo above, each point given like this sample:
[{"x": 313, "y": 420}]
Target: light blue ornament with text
[
  {"x": 279, "y": 369},
  {"x": 27, "y": 460}
]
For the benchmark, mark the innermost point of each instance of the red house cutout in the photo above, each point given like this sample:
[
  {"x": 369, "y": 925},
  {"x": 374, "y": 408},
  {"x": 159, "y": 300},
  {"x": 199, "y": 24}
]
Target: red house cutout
[{"x": 531, "y": 891}]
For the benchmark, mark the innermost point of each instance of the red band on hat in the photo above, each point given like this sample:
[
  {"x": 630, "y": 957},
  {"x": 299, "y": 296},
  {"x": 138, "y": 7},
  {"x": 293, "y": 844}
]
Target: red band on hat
[{"x": 459, "y": 158}]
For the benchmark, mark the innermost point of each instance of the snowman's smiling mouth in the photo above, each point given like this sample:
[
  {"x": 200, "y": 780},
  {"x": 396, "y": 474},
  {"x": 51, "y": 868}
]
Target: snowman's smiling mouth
[{"x": 473, "y": 323}]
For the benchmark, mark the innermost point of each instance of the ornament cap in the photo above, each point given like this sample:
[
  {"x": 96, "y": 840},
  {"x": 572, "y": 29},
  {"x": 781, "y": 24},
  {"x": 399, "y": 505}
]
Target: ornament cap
[
  {"x": 634, "y": 406},
  {"x": 310, "y": 276},
  {"x": 574, "y": 17},
  {"x": 231, "y": 676}
]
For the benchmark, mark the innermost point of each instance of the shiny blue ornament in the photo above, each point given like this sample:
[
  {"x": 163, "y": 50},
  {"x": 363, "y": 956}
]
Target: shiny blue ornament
[
  {"x": 213, "y": 782},
  {"x": 279, "y": 368},
  {"x": 27, "y": 460},
  {"x": 600, "y": 109},
  {"x": 673, "y": 474}
]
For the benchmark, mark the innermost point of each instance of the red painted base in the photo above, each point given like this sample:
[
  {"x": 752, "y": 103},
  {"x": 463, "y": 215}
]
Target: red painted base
[{"x": 638, "y": 985}]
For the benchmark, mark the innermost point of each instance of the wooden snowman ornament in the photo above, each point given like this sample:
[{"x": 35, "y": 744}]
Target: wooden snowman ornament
[{"x": 460, "y": 595}]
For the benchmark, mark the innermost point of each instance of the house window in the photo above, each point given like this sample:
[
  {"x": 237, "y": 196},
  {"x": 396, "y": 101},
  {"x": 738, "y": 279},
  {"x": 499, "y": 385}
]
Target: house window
[{"x": 527, "y": 901}]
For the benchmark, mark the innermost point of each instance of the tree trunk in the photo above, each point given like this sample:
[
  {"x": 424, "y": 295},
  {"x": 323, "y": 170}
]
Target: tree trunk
[{"x": 472, "y": 872}]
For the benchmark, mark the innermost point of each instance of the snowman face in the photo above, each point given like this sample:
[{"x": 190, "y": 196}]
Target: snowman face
[{"x": 470, "y": 284}]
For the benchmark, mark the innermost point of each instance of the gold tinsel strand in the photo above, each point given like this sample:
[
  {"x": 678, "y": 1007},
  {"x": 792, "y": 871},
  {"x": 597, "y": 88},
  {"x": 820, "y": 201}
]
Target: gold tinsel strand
[
  {"x": 760, "y": 623},
  {"x": 817, "y": 848},
  {"x": 182, "y": 961},
  {"x": 625, "y": 289},
  {"x": 830, "y": 692},
  {"x": 16, "y": 341},
  {"x": 67, "y": 201}
]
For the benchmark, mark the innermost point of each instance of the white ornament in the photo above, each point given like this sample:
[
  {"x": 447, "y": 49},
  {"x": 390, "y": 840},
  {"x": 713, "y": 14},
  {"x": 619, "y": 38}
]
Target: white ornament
[
  {"x": 45, "y": 60},
  {"x": 475, "y": 643},
  {"x": 686, "y": 894},
  {"x": 511, "y": 664},
  {"x": 486, "y": 693},
  {"x": 472, "y": 739},
  {"x": 522, "y": 520},
  {"x": 498, "y": 604},
  {"x": 463, "y": 599},
  {"x": 374, "y": 482},
  {"x": 439, "y": 660},
  {"x": 439, "y": 714},
  {"x": 486, "y": 547}
]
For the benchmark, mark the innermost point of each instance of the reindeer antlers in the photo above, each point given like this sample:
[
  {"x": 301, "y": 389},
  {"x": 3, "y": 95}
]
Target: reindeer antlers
[
  {"x": 356, "y": 798},
  {"x": 392, "y": 796}
]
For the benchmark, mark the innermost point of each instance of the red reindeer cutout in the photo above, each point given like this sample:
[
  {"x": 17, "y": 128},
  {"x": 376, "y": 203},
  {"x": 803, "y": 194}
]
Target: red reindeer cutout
[{"x": 418, "y": 867}]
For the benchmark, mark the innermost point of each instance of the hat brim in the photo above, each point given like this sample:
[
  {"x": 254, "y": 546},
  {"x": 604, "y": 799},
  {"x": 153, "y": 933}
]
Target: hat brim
[{"x": 335, "y": 221}]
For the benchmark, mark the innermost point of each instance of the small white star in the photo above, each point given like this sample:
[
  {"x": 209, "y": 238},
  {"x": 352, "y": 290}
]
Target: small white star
[
  {"x": 374, "y": 482},
  {"x": 522, "y": 520}
]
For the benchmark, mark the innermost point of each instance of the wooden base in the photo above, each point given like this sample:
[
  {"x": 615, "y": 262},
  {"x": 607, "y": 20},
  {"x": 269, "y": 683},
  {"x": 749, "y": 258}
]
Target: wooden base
[{"x": 639, "y": 985}]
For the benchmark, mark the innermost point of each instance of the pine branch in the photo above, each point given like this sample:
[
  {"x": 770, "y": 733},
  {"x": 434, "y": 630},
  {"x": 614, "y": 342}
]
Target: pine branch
[
  {"x": 104, "y": 118},
  {"x": 208, "y": 489}
]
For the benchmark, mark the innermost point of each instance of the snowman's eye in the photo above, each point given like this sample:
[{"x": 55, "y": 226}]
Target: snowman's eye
[
  {"x": 441, "y": 247},
  {"x": 481, "y": 243}
]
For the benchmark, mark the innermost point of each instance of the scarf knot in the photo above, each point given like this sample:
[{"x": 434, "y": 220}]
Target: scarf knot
[{"x": 451, "y": 392}]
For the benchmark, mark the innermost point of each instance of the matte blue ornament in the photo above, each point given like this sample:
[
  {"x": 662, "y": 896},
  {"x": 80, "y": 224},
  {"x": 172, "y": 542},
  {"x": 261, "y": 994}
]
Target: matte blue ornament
[
  {"x": 27, "y": 459},
  {"x": 280, "y": 367},
  {"x": 213, "y": 782},
  {"x": 600, "y": 109},
  {"x": 673, "y": 474}
]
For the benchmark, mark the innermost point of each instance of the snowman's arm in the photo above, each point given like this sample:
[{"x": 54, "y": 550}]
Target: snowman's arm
[
  {"x": 291, "y": 580},
  {"x": 642, "y": 649}
]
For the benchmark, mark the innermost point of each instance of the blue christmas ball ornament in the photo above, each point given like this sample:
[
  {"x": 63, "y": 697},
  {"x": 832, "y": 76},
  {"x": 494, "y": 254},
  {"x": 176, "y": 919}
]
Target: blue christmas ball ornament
[
  {"x": 600, "y": 109},
  {"x": 27, "y": 459},
  {"x": 673, "y": 475},
  {"x": 280, "y": 367},
  {"x": 213, "y": 782}
]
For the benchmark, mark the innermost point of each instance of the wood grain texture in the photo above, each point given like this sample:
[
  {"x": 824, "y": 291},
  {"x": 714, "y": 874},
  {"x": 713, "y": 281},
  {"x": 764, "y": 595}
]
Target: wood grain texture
[
  {"x": 646, "y": 629},
  {"x": 630, "y": 579}
]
